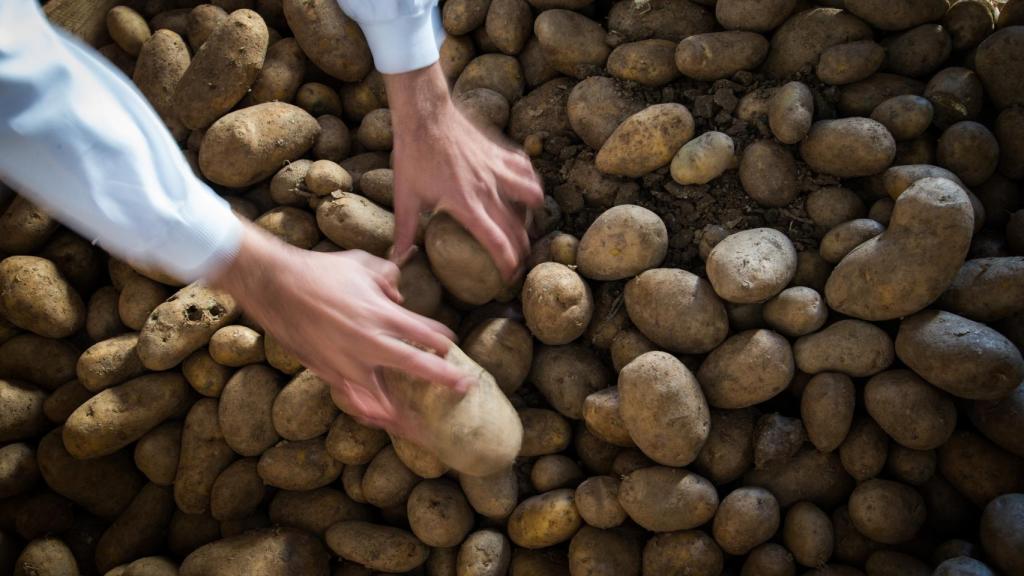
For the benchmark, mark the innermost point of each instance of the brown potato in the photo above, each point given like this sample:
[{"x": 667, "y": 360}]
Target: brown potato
[
  {"x": 204, "y": 455},
  {"x": 717, "y": 55},
  {"x": 826, "y": 407},
  {"x": 906, "y": 116},
  {"x": 282, "y": 72},
  {"x": 238, "y": 491},
  {"x": 334, "y": 142},
  {"x": 970, "y": 151},
  {"x": 44, "y": 362},
  {"x": 865, "y": 449},
  {"x": 627, "y": 345},
  {"x": 751, "y": 266},
  {"x": 24, "y": 227},
  {"x": 509, "y": 24},
  {"x": 688, "y": 550},
  {"x": 104, "y": 486},
  {"x": 646, "y": 140},
  {"x": 557, "y": 303},
  {"x": 703, "y": 159},
  {"x": 139, "y": 530},
  {"x": 979, "y": 469},
  {"x": 418, "y": 459},
  {"x": 768, "y": 173},
  {"x": 810, "y": 475},
  {"x": 899, "y": 15},
  {"x": 849, "y": 62},
  {"x": 791, "y": 112},
  {"x": 768, "y": 560},
  {"x": 597, "y": 499},
  {"x": 726, "y": 373},
  {"x": 314, "y": 510},
  {"x": 1001, "y": 74},
  {"x": 572, "y": 43},
  {"x": 291, "y": 225},
  {"x": 926, "y": 258},
  {"x": 677, "y": 310},
  {"x": 352, "y": 443},
  {"x": 566, "y": 375},
  {"x": 1008, "y": 128},
  {"x": 204, "y": 374},
  {"x": 484, "y": 553},
  {"x": 913, "y": 467},
  {"x": 35, "y": 296},
  {"x": 728, "y": 451},
  {"x": 504, "y": 348},
  {"x": 647, "y": 62},
  {"x": 332, "y": 41},
  {"x": 202, "y": 21},
  {"x": 303, "y": 409},
  {"x": 463, "y": 16},
  {"x": 304, "y": 465},
  {"x": 156, "y": 453},
  {"x": 318, "y": 99},
  {"x": 128, "y": 29},
  {"x": 493, "y": 496},
  {"x": 544, "y": 432},
  {"x": 245, "y": 410},
  {"x": 621, "y": 243},
  {"x": 662, "y": 499},
  {"x": 887, "y": 511},
  {"x": 236, "y": 346},
  {"x": 752, "y": 15},
  {"x": 249, "y": 145},
  {"x": 918, "y": 51},
  {"x": 189, "y": 532},
  {"x": 378, "y": 547},
  {"x": 956, "y": 94},
  {"x": 439, "y": 514},
  {"x": 353, "y": 222},
  {"x": 596, "y": 107},
  {"x": 890, "y": 396},
  {"x": 1002, "y": 421},
  {"x": 604, "y": 551},
  {"x": 542, "y": 113},
  {"x": 796, "y": 311},
  {"x": 23, "y": 415},
  {"x": 163, "y": 60},
  {"x": 64, "y": 400},
  {"x": 18, "y": 469},
  {"x": 603, "y": 417},
  {"x": 1001, "y": 532},
  {"x": 746, "y": 518},
  {"x": 139, "y": 297},
  {"x": 544, "y": 520},
  {"x": 861, "y": 98},
  {"x": 807, "y": 533},
  {"x": 497, "y": 72},
  {"x": 460, "y": 262},
  {"x": 844, "y": 238},
  {"x": 109, "y": 363},
  {"x": 387, "y": 480},
  {"x": 799, "y": 42},
  {"x": 484, "y": 107},
  {"x": 274, "y": 552},
  {"x": 851, "y": 347},
  {"x": 848, "y": 147},
  {"x": 897, "y": 179},
  {"x": 44, "y": 556}
]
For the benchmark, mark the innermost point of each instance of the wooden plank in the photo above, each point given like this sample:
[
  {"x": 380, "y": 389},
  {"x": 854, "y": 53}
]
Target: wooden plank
[{"x": 86, "y": 19}]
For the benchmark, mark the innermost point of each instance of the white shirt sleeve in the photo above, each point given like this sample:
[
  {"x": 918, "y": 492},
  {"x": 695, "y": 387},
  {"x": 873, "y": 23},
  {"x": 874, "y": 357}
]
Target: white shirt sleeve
[
  {"x": 79, "y": 140},
  {"x": 403, "y": 35}
]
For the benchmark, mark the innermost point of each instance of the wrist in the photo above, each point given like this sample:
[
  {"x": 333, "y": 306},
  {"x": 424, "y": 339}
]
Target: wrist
[
  {"x": 254, "y": 268},
  {"x": 419, "y": 100}
]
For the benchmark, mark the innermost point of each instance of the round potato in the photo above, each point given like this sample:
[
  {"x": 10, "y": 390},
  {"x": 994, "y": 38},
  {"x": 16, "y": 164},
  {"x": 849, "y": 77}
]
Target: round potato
[
  {"x": 677, "y": 310},
  {"x": 970, "y": 151},
  {"x": 887, "y": 511},
  {"x": 544, "y": 520},
  {"x": 751, "y": 266},
  {"x": 387, "y": 480},
  {"x": 439, "y": 514},
  {"x": 768, "y": 560},
  {"x": 597, "y": 499},
  {"x": 303, "y": 409},
  {"x": 768, "y": 174},
  {"x": 621, "y": 243},
  {"x": 746, "y": 518},
  {"x": 493, "y": 496},
  {"x": 865, "y": 450},
  {"x": 890, "y": 396},
  {"x": 557, "y": 303},
  {"x": 914, "y": 467},
  {"x": 236, "y": 346},
  {"x": 45, "y": 556},
  {"x": 282, "y": 72},
  {"x": 662, "y": 499},
  {"x": 572, "y": 43},
  {"x": 796, "y": 311}
]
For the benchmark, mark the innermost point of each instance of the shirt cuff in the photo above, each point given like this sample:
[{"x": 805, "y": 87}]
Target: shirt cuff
[
  {"x": 211, "y": 241},
  {"x": 406, "y": 43}
]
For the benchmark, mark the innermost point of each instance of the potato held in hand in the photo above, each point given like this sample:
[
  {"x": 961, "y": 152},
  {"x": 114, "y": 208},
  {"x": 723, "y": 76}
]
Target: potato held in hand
[
  {"x": 478, "y": 433},
  {"x": 908, "y": 266}
]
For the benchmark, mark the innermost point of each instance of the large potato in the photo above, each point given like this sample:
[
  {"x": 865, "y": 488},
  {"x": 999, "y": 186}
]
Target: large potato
[
  {"x": 35, "y": 296},
  {"x": 566, "y": 375},
  {"x": 498, "y": 72},
  {"x": 544, "y": 520},
  {"x": 245, "y": 410},
  {"x": 572, "y": 43},
  {"x": 663, "y": 408},
  {"x": 890, "y": 396},
  {"x": 183, "y": 324},
  {"x": 646, "y": 140},
  {"x": 849, "y": 62},
  {"x": 662, "y": 499},
  {"x": 597, "y": 106},
  {"x": 979, "y": 469},
  {"x": 128, "y": 29},
  {"x": 120, "y": 415},
  {"x": 718, "y": 55},
  {"x": 755, "y": 15},
  {"x": 647, "y": 62},
  {"x": 557, "y": 303},
  {"x": 329, "y": 38},
  {"x": 703, "y": 159},
  {"x": 751, "y": 266},
  {"x": 222, "y": 70},
  {"x": 918, "y": 51},
  {"x": 803, "y": 37},
  {"x": 303, "y": 408},
  {"x": 353, "y": 222},
  {"x": 665, "y": 19},
  {"x": 848, "y": 147},
  {"x": 251, "y": 144},
  {"x": 747, "y": 369},
  {"x": 826, "y": 407},
  {"x": 677, "y": 310},
  {"x": 461, "y": 264},
  {"x": 965, "y": 358},
  {"x": 621, "y": 243},
  {"x": 908, "y": 266},
  {"x": 999, "y": 68},
  {"x": 269, "y": 552},
  {"x": 595, "y": 551}
]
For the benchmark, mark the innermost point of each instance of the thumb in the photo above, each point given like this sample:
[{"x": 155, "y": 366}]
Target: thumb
[{"x": 407, "y": 215}]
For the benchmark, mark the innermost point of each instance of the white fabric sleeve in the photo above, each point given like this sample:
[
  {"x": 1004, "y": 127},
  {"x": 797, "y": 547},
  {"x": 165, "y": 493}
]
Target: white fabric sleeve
[
  {"x": 79, "y": 140},
  {"x": 403, "y": 35}
]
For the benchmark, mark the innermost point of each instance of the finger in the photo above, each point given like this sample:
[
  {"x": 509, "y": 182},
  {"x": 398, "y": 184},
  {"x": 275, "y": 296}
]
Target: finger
[
  {"x": 511, "y": 224},
  {"x": 367, "y": 401},
  {"x": 421, "y": 331},
  {"x": 490, "y": 235},
  {"x": 426, "y": 366},
  {"x": 521, "y": 183},
  {"x": 391, "y": 290},
  {"x": 407, "y": 215}
]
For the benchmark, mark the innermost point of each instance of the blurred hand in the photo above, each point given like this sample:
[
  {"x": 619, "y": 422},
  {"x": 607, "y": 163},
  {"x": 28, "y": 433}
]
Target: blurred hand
[
  {"x": 340, "y": 315},
  {"x": 443, "y": 162}
]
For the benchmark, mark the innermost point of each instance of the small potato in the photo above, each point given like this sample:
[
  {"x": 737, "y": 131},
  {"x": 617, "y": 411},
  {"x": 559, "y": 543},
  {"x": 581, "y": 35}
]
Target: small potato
[
  {"x": 303, "y": 409},
  {"x": 646, "y": 140},
  {"x": 566, "y": 375},
  {"x": 662, "y": 499},
  {"x": 282, "y": 72},
  {"x": 204, "y": 374},
  {"x": 329, "y": 38},
  {"x": 497, "y": 72},
  {"x": 746, "y": 518},
  {"x": 791, "y": 112},
  {"x": 844, "y": 238},
  {"x": 913, "y": 467},
  {"x": 718, "y": 55},
  {"x": 970, "y": 150},
  {"x": 680, "y": 552},
  {"x": 751, "y": 266},
  {"x": 647, "y": 62},
  {"x": 544, "y": 432},
  {"x": 919, "y": 51},
  {"x": 245, "y": 410},
  {"x": 288, "y": 185},
  {"x": 334, "y": 142},
  {"x": 274, "y": 552},
  {"x": 353, "y": 222},
  {"x": 202, "y": 21},
  {"x": 677, "y": 310},
  {"x": 596, "y": 107},
  {"x": 484, "y": 107},
  {"x": 387, "y": 481},
  {"x": 807, "y": 532},
  {"x": 728, "y": 451},
  {"x": 109, "y": 363},
  {"x": 736, "y": 375},
  {"x": 460, "y": 262},
  {"x": 304, "y": 465},
  {"x": 103, "y": 486},
  {"x": 621, "y": 243},
  {"x": 906, "y": 117},
  {"x": 23, "y": 415},
  {"x": 204, "y": 455},
  {"x": 597, "y": 499},
  {"x": 45, "y": 557},
  {"x": 139, "y": 297},
  {"x": 484, "y": 553},
  {"x": 318, "y": 99},
  {"x": 799, "y": 42},
  {"x": 236, "y": 346},
  {"x": 849, "y": 62},
  {"x": 35, "y": 296},
  {"x": 865, "y": 449},
  {"x": 1002, "y": 421},
  {"x": 157, "y": 451},
  {"x": 238, "y": 491},
  {"x": 163, "y": 60},
  {"x": 595, "y": 551},
  {"x": 18, "y": 469},
  {"x": 557, "y": 303},
  {"x": 703, "y": 159},
  {"x": 222, "y": 72},
  {"x": 663, "y": 408},
  {"x": 851, "y": 347},
  {"x": 493, "y": 496},
  {"x": 374, "y": 132},
  {"x": 251, "y": 144},
  {"x": 768, "y": 560},
  {"x": 848, "y": 147},
  {"x": 24, "y": 227},
  {"x": 826, "y": 407},
  {"x": 627, "y": 345},
  {"x": 128, "y": 29},
  {"x": 572, "y": 43},
  {"x": 352, "y": 443},
  {"x": 796, "y": 311},
  {"x": 603, "y": 417},
  {"x": 887, "y": 511},
  {"x": 926, "y": 259},
  {"x": 956, "y": 94},
  {"x": 120, "y": 415},
  {"x": 439, "y": 514},
  {"x": 965, "y": 358},
  {"x": 768, "y": 174},
  {"x": 378, "y": 547},
  {"x": 891, "y": 396},
  {"x": 544, "y": 520}
]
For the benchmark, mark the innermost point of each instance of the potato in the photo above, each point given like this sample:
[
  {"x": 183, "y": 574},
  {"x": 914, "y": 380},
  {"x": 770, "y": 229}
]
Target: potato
[
  {"x": 703, "y": 159},
  {"x": 913, "y": 467},
  {"x": 222, "y": 70},
  {"x": 905, "y": 117},
  {"x": 544, "y": 432},
  {"x": 45, "y": 557},
  {"x": 544, "y": 520},
  {"x": 796, "y": 311},
  {"x": 23, "y": 415},
  {"x": 572, "y": 43},
  {"x": 799, "y": 42},
  {"x": 887, "y": 511},
  {"x": 962, "y": 566},
  {"x": 1008, "y": 128},
  {"x": 860, "y": 98},
  {"x": 690, "y": 551},
  {"x": 1001, "y": 420},
  {"x": 387, "y": 480},
  {"x": 602, "y": 415},
  {"x": 848, "y": 147},
  {"x": 148, "y": 566},
  {"x": 109, "y": 363},
  {"x": 956, "y": 95},
  {"x": 791, "y": 112},
  {"x": 103, "y": 486},
  {"x": 864, "y": 451},
  {"x": 963, "y": 357},
  {"x": 1001, "y": 532},
  {"x": 726, "y": 373},
  {"x": 889, "y": 563},
  {"x": 352, "y": 443},
  {"x": 595, "y": 551},
  {"x": 509, "y": 24},
  {"x": 188, "y": 532},
  {"x": 139, "y": 297},
  {"x": 596, "y": 107},
  {"x": 504, "y": 348},
  {"x": 542, "y": 112},
  {"x": 18, "y": 469},
  {"x": 728, "y": 451},
  {"x": 752, "y": 265},
  {"x": 746, "y": 518},
  {"x": 808, "y": 534},
  {"x": 303, "y": 409},
  {"x": 890, "y": 396},
  {"x": 1001, "y": 74},
  {"x": 677, "y": 310},
  {"x": 627, "y": 345},
  {"x": 897, "y": 179},
  {"x": 844, "y": 238},
  {"x": 484, "y": 553},
  {"x": 204, "y": 374},
  {"x": 646, "y": 140},
  {"x": 304, "y": 465},
  {"x": 566, "y": 375},
  {"x": 918, "y": 51},
  {"x": 353, "y": 222},
  {"x": 24, "y": 227},
  {"x": 439, "y": 515},
  {"x": 333, "y": 142},
  {"x": 128, "y": 29},
  {"x": 251, "y": 144},
  {"x": 768, "y": 560},
  {"x": 460, "y": 262},
  {"x": 318, "y": 99},
  {"x": 826, "y": 407},
  {"x": 597, "y": 500},
  {"x": 768, "y": 173},
  {"x": 484, "y": 107},
  {"x": 44, "y": 362},
  {"x": 496, "y": 72},
  {"x": 202, "y": 21},
  {"x": 315, "y": 510},
  {"x": 969, "y": 150},
  {"x": 157, "y": 452},
  {"x": 35, "y": 296},
  {"x": 163, "y": 60},
  {"x": 274, "y": 552},
  {"x": 755, "y": 16},
  {"x": 282, "y": 72},
  {"x": 332, "y": 41},
  {"x": 622, "y": 242},
  {"x": 662, "y": 499},
  {"x": 120, "y": 415},
  {"x": 238, "y": 491},
  {"x": 417, "y": 459},
  {"x": 849, "y": 62},
  {"x": 719, "y": 55},
  {"x": 928, "y": 206},
  {"x": 493, "y": 496},
  {"x": 891, "y": 16},
  {"x": 245, "y": 410},
  {"x": 378, "y": 547},
  {"x": 102, "y": 320},
  {"x": 810, "y": 475},
  {"x": 183, "y": 324},
  {"x": 557, "y": 303},
  {"x": 668, "y": 20},
  {"x": 204, "y": 455},
  {"x": 647, "y": 62},
  {"x": 139, "y": 530},
  {"x": 463, "y": 16},
  {"x": 968, "y": 23},
  {"x": 64, "y": 400},
  {"x": 236, "y": 346}
]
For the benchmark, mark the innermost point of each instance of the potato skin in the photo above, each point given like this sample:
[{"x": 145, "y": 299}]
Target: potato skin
[
  {"x": 315, "y": 510},
  {"x": 544, "y": 520},
  {"x": 460, "y": 262},
  {"x": 566, "y": 375},
  {"x": 796, "y": 311},
  {"x": 183, "y": 324},
  {"x": 270, "y": 552},
  {"x": 35, "y": 296},
  {"x": 890, "y": 396},
  {"x": 922, "y": 249},
  {"x": 746, "y": 518},
  {"x": 120, "y": 415},
  {"x": 807, "y": 533},
  {"x": 557, "y": 303},
  {"x": 752, "y": 14},
  {"x": 826, "y": 407},
  {"x": 596, "y": 107},
  {"x": 887, "y": 511},
  {"x": 329, "y": 38},
  {"x": 157, "y": 452},
  {"x": 45, "y": 556},
  {"x": 245, "y": 410},
  {"x": 304, "y": 465},
  {"x": 303, "y": 408},
  {"x": 791, "y": 112},
  {"x": 162, "y": 62},
  {"x": 572, "y": 43},
  {"x": 222, "y": 70},
  {"x": 103, "y": 486},
  {"x": 1001, "y": 532},
  {"x": 1001, "y": 74},
  {"x": 544, "y": 432},
  {"x": 716, "y": 55},
  {"x": 646, "y": 140},
  {"x": 965, "y": 358},
  {"x": 204, "y": 455},
  {"x": 494, "y": 496},
  {"x": 251, "y": 144},
  {"x": 662, "y": 499},
  {"x": 677, "y": 310},
  {"x": 747, "y": 369},
  {"x": 622, "y": 242},
  {"x": 703, "y": 159},
  {"x": 282, "y": 73},
  {"x": 23, "y": 415},
  {"x": 377, "y": 547},
  {"x": 127, "y": 28},
  {"x": 768, "y": 173},
  {"x": 648, "y": 62},
  {"x": 666, "y": 19},
  {"x": 799, "y": 42},
  {"x": 848, "y": 147},
  {"x": 849, "y": 62},
  {"x": 439, "y": 514},
  {"x": 751, "y": 266},
  {"x": 504, "y": 348},
  {"x": 484, "y": 553},
  {"x": 852, "y": 347}
]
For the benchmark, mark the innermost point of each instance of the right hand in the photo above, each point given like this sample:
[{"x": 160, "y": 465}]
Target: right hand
[{"x": 340, "y": 315}]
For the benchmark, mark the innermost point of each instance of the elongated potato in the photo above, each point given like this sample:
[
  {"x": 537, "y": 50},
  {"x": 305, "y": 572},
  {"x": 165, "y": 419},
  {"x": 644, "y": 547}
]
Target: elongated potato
[
  {"x": 913, "y": 261},
  {"x": 245, "y": 410},
  {"x": 646, "y": 140},
  {"x": 304, "y": 465},
  {"x": 799, "y": 42},
  {"x": 104, "y": 486},
  {"x": 848, "y": 147},
  {"x": 677, "y": 310},
  {"x": 329, "y": 38},
  {"x": 157, "y": 453},
  {"x": 852, "y": 347},
  {"x": 377, "y": 547},
  {"x": 222, "y": 70},
  {"x": 572, "y": 43},
  {"x": 303, "y": 408},
  {"x": 183, "y": 324},
  {"x": 826, "y": 407},
  {"x": 271, "y": 552},
  {"x": 807, "y": 533},
  {"x": 849, "y": 62},
  {"x": 460, "y": 262},
  {"x": 718, "y": 55},
  {"x": 139, "y": 530},
  {"x": 703, "y": 159},
  {"x": 439, "y": 514},
  {"x": 747, "y": 369},
  {"x": 494, "y": 496},
  {"x": 315, "y": 510},
  {"x": 890, "y": 396},
  {"x": 120, "y": 415},
  {"x": 163, "y": 60},
  {"x": 109, "y": 363},
  {"x": 204, "y": 455},
  {"x": 664, "y": 499}
]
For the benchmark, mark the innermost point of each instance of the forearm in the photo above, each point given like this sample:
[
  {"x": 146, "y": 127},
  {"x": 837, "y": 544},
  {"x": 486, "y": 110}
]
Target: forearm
[{"x": 419, "y": 100}]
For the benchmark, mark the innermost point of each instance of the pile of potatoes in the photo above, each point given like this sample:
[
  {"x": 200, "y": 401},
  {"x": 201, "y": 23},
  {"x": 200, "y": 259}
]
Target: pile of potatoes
[{"x": 854, "y": 408}]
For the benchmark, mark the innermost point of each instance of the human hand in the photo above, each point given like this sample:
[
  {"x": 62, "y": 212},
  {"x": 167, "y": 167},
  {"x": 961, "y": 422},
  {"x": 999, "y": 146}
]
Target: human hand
[
  {"x": 443, "y": 162},
  {"x": 340, "y": 315}
]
